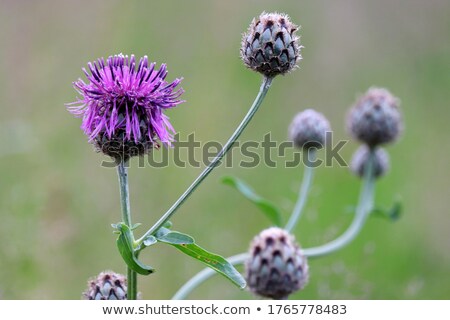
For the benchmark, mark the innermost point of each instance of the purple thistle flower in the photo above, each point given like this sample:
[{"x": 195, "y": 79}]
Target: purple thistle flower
[{"x": 122, "y": 105}]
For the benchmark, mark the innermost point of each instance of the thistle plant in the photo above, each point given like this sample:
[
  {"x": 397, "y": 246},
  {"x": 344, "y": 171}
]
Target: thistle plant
[
  {"x": 122, "y": 114},
  {"x": 275, "y": 265},
  {"x": 122, "y": 106}
]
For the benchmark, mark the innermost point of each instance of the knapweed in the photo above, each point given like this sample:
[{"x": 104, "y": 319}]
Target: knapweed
[
  {"x": 308, "y": 129},
  {"x": 375, "y": 118},
  {"x": 271, "y": 46},
  {"x": 108, "y": 285},
  {"x": 360, "y": 159},
  {"x": 122, "y": 105},
  {"x": 276, "y": 266}
]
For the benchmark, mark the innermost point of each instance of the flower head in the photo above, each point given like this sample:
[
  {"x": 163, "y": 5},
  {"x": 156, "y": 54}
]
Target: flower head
[
  {"x": 122, "y": 105},
  {"x": 361, "y": 157},
  {"x": 308, "y": 129},
  {"x": 375, "y": 118},
  {"x": 276, "y": 266},
  {"x": 108, "y": 285},
  {"x": 271, "y": 46}
]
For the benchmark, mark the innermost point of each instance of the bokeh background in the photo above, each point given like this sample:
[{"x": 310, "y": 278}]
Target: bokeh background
[{"x": 57, "y": 202}]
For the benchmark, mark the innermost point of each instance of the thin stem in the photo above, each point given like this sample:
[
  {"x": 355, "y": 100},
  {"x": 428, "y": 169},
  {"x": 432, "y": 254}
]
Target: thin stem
[
  {"x": 365, "y": 206},
  {"x": 304, "y": 190},
  {"x": 132, "y": 284},
  {"x": 204, "y": 275},
  {"x": 122, "y": 172},
  {"x": 215, "y": 162}
]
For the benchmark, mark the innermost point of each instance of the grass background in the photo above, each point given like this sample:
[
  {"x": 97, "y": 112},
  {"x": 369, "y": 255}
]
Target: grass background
[{"x": 57, "y": 202}]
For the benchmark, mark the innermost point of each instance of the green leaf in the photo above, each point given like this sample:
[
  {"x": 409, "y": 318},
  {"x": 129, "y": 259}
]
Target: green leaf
[
  {"x": 150, "y": 240},
  {"x": 214, "y": 261},
  {"x": 174, "y": 237},
  {"x": 393, "y": 214},
  {"x": 267, "y": 207},
  {"x": 125, "y": 244},
  {"x": 161, "y": 232},
  {"x": 396, "y": 211}
]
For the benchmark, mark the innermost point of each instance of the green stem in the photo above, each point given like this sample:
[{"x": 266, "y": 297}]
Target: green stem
[
  {"x": 204, "y": 275},
  {"x": 122, "y": 172},
  {"x": 132, "y": 284},
  {"x": 304, "y": 190},
  {"x": 365, "y": 206},
  {"x": 215, "y": 162}
]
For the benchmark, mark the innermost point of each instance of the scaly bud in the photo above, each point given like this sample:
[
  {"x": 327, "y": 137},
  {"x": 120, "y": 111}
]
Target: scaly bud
[{"x": 270, "y": 45}]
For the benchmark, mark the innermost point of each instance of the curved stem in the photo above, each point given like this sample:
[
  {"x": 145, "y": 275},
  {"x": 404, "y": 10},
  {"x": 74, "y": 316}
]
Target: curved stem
[
  {"x": 215, "y": 162},
  {"x": 204, "y": 275},
  {"x": 122, "y": 172},
  {"x": 365, "y": 206},
  {"x": 304, "y": 190}
]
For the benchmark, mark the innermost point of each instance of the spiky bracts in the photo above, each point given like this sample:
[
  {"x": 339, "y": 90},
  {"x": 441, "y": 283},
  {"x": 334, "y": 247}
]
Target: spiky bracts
[
  {"x": 375, "y": 118},
  {"x": 308, "y": 129},
  {"x": 271, "y": 46},
  {"x": 276, "y": 266},
  {"x": 108, "y": 285}
]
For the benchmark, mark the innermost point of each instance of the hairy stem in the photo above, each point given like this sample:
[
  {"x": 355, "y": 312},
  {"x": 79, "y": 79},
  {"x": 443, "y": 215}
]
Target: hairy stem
[
  {"x": 215, "y": 162},
  {"x": 122, "y": 172},
  {"x": 304, "y": 191}
]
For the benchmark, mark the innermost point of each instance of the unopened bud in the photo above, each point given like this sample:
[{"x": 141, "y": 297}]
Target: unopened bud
[
  {"x": 375, "y": 118},
  {"x": 270, "y": 46},
  {"x": 276, "y": 266}
]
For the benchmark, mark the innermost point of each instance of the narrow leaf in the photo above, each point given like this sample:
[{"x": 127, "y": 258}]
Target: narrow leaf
[
  {"x": 125, "y": 245},
  {"x": 267, "y": 207},
  {"x": 214, "y": 261},
  {"x": 174, "y": 237}
]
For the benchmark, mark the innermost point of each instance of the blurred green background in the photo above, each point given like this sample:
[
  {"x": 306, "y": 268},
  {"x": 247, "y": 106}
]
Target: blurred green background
[{"x": 57, "y": 202}]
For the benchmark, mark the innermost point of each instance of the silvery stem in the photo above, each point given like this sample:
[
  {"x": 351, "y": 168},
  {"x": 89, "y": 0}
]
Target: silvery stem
[{"x": 122, "y": 172}]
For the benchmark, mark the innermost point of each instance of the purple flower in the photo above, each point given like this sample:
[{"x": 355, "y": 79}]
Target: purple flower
[{"x": 122, "y": 105}]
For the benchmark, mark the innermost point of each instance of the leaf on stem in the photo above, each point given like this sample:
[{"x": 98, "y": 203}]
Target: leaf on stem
[
  {"x": 187, "y": 245},
  {"x": 150, "y": 240},
  {"x": 125, "y": 244},
  {"x": 174, "y": 237},
  {"x": 214, "y": 261},
  {"x": 268, "y": 208}
]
